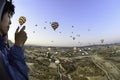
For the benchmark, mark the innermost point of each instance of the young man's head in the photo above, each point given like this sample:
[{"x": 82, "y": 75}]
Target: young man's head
[{"x": 7, "y": 13}]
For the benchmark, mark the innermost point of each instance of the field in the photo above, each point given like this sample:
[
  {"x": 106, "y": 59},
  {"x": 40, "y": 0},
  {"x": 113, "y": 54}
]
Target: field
[{"x": 101, "y": 62}]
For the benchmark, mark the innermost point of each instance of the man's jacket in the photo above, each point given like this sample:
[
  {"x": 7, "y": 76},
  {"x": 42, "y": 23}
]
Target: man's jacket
[{"x": 12, "y": 62}]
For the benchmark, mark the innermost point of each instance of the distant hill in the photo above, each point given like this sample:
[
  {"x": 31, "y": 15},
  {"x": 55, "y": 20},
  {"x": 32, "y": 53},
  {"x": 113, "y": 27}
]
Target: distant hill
[{"x": 95, "y": 45}]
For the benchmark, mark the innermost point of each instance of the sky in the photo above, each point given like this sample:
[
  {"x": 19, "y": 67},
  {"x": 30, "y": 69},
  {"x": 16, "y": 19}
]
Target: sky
[{"x": 81, "y": 22}]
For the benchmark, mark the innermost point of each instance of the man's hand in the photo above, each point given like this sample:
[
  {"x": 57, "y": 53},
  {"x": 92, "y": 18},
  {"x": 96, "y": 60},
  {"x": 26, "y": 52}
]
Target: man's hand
[{"x": 20, "y": 36}]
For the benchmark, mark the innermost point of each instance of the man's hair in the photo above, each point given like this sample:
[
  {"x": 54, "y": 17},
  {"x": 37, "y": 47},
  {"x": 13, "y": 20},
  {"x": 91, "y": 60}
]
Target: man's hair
[{"x": 9, "y": 7}]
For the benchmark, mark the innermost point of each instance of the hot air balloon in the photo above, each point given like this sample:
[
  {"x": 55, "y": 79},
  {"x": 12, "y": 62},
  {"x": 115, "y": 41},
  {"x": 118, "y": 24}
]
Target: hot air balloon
[
  {"x": 36, "y": 25},
  {"x": 78, "y": 35},
  {"x": 73, "y": 38},
  {"x": 51, "y": 41},
  {"x": 74, "y": 49},
  {"x": 57, "y": 62},
  {"x": 44, "y": 27},
  {"x": 102, "y": 40},
  {"x": 88, "y": 29},
  {"x": 33, "y": 31},
  {"x": 49, "y": 49},
  {"x": 22, "y": 20},
  {"x": 54, "y": 25}
]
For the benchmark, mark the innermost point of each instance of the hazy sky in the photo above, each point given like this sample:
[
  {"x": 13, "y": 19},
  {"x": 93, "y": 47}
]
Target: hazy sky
[{"x": 92, "y": 20}]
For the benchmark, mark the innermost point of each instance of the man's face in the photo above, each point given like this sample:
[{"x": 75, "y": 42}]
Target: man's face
[{"x": 5, "y": 23}]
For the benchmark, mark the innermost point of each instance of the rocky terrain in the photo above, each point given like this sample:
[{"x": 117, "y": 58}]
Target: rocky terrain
[{"x": 56, "y": 63}]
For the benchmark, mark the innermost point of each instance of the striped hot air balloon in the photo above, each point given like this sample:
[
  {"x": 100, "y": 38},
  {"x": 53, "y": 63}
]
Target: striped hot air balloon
[
  {"x": 22, "y": 20},
  {"x": 54, "y": 25}
]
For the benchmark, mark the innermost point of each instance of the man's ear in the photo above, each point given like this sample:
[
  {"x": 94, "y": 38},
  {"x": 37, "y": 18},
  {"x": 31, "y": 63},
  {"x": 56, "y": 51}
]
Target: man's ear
[{"x": 2, "y": 4}]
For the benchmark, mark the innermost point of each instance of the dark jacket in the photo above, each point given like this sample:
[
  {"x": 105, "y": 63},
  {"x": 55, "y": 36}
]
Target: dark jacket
[{"x": 13, "y": 62}]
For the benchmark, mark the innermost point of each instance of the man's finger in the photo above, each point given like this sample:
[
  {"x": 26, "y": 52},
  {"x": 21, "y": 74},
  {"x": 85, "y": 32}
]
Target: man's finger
[
  {"x": 17, "y": 30},
  {"x": 23, "y": 28}
]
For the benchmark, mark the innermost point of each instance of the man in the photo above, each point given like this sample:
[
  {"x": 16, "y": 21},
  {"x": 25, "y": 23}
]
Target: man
[{"x": 12, "y": 60}]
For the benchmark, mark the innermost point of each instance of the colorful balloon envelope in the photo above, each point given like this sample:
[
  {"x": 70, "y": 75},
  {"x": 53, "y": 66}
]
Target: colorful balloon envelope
[
  {"x": 54, "y": 25},
  {"x": 22, "y": 20}
]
